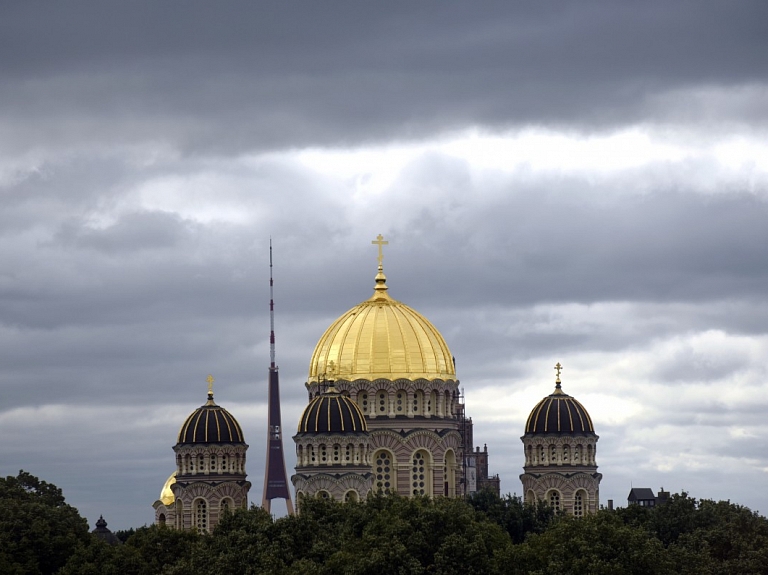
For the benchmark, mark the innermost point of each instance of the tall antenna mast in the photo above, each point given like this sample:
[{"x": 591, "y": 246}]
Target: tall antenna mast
[
  {"x": 271, "y": 312},
  {"x": 275, "y": 477}
]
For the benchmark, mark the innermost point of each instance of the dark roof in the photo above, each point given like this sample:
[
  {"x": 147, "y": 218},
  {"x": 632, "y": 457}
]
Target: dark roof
[
  {"x": 105, "y": 534},
  {"x": 210, "y": 423},
  {"x": 332, "y": 412},
  {"x": 559, "y": 413},
  {"x": 640, "y": 494}
]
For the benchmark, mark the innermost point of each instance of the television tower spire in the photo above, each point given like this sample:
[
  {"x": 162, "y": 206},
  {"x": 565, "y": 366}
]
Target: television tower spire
[{"x": 275, "y": 478}]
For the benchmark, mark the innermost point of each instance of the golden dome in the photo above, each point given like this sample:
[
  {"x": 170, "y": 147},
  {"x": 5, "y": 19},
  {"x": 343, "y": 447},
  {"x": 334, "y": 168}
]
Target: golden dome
[
  {"x": 381, "y": 338},
  {"x": 166, "y": 495}
]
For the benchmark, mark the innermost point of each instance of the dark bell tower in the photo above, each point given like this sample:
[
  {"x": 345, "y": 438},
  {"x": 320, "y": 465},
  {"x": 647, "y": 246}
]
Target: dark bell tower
[{"x": 275, "y": 478}]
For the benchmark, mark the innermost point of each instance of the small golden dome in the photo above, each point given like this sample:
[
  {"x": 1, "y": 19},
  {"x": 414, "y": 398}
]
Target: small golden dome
[
  {"x": 166, "y": 495},
  {"x": 381, "y": 338}
]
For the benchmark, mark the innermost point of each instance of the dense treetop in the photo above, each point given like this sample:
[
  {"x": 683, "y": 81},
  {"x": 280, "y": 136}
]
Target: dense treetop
[{"x": 487, "y": 534}]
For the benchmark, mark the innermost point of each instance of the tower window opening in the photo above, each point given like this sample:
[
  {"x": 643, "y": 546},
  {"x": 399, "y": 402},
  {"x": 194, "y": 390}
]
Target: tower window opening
[
  {"x": 382, "y": 402},
  {"x": 348, "y": 453},
  {"x": 336, "y": 453},
  {"x": 213, "y": 463},
  {"x": 578, "y": 505},
  {"x": 323, "y": 454},
  {"x": 554, "y": 500},
  {"x": 419, "y": 480},
  {"x": 350, "y": 495},
  {"x": 364, "y": 402},
  {"x": 384, "y": 472},
  {"x": 201, "y": 515}
]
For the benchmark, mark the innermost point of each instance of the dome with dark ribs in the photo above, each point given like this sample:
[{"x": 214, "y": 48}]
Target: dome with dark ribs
[
  {"x": 559, "y": 413},
  {"x": 332, "y": 412},
  {"x": 210, "y": 423}
]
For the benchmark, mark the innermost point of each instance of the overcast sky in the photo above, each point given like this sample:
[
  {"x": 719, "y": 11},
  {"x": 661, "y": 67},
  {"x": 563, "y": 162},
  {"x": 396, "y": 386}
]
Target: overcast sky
[{"x": 580, "y": 182}]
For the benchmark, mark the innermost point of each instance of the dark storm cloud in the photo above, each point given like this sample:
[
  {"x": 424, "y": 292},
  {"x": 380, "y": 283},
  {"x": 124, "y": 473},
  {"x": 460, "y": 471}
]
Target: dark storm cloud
[{"x": 252, "y": 75}]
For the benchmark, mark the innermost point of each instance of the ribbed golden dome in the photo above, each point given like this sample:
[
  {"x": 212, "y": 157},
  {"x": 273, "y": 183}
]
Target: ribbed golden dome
[{"x": 381, "y": 338}]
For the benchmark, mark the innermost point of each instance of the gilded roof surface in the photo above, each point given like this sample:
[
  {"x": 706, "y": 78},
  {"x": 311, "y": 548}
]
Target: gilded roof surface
[
  {"x": 210, "y": 423},
  {"x": 381, "y": 338},
  {"x": 332, "y": 412},
  {"x": 166, "y": 494},
  {"x": 559, "y": 413}
]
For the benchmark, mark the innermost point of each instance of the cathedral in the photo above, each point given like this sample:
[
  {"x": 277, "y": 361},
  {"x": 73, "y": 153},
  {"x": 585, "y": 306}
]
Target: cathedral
[{"x": 384, "y": 414}]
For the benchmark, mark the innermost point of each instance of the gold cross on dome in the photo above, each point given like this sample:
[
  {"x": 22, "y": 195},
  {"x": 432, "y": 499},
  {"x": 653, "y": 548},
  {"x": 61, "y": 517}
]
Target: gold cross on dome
[
  {"x": 210, "y": 381},
  {"x": 558, "y": 369},
  {"x": 379, "y": 241}
]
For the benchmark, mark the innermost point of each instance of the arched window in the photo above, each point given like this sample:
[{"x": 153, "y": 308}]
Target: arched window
[
  {"x": 227, "y": 505},
  {"x": 577, "y": 455},
  {"x": 350, "y": 495},
  {"x": 386, "y": 478},
  {"x": 418, "y": 402},
  {"x": 362, "y": 402},
  {"x": 401, "y": 399},
  {"x": 225, "y": 463},
  {"x": 336, "y": 453},
  {"x": 449, "y": 474},
  {"x": 200, "y": 463},
  {"x": 552, "y": 455},
  {"x": 542, "y": 460},
  {"x": 381, "y": 403},
  {"x": 566, "y": 454},
  {"x": 348, "y": 453},
  {"x": 191, "y": 463},
  {"x": 312, "y": 455},
  {"x": 323, "y": 455},
  {"x": 161, "y": 520},
  {"x": 554, "y": 499},
  {"x": 578, "y": 503},
  {"x": 421, "y": 482},
  {"x": 201, "y": 515},
  {"x": 530, "y": 496},
  {"x": 212, "y": 462},
  {"x": 432, "y": 402}
]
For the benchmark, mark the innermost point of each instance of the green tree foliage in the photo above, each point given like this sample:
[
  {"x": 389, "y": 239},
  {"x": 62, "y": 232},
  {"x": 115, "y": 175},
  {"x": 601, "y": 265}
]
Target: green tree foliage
[
  {"x": 38, "y": 529},
  {"x": 514, "y": 516},
  {"x": 487, "y": 534}
]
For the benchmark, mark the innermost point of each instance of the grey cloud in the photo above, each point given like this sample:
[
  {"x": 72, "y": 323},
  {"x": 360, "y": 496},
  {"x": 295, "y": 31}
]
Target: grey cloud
[{"x": 245, "y": 76}]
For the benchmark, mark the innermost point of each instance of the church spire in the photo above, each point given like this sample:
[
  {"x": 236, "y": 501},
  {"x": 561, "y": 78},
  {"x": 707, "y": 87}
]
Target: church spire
[
  {"x": 558, "y": 369},
  {"x": 380, "y": 289}
]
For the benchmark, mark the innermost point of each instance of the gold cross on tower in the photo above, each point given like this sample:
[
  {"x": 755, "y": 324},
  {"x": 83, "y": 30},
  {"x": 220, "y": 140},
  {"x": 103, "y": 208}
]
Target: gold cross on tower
[
  {"x": 210, "y": 381},
  {"x": 379, "y": 241},
  {"x": 558, "y": 369}
]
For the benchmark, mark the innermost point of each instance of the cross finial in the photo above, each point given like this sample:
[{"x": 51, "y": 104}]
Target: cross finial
[
  {"x": 558, "y": 369},
  {"x": 379, "y": 241},
  {"x": 210, "y": 381}
]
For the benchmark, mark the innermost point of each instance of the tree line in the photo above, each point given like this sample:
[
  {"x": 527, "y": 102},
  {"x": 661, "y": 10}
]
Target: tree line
[{"x": 386, "y": 534}]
